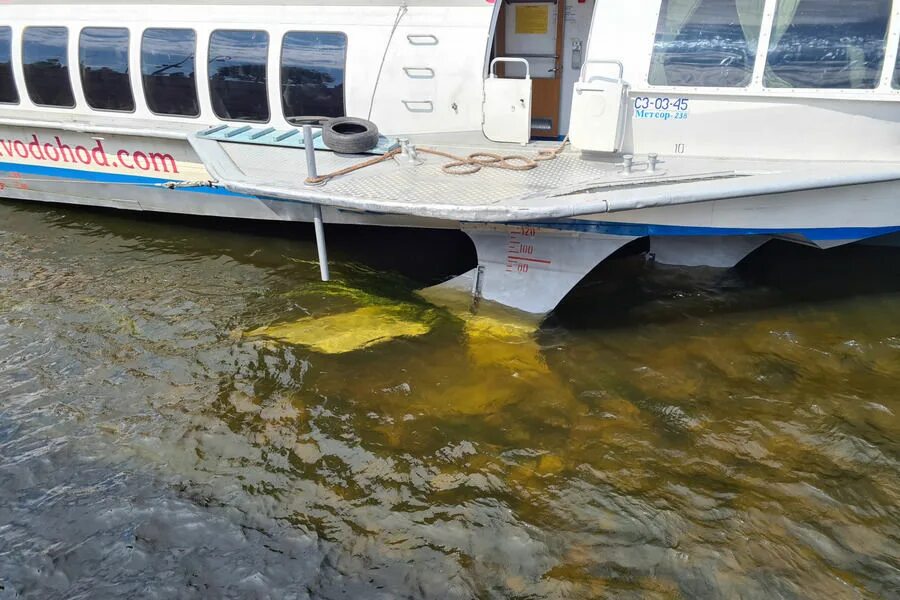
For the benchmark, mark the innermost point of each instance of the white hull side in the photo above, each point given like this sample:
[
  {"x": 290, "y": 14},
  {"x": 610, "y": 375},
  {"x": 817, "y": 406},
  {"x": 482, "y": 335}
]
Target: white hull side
[
  {"x": 708, "y": 251},
  {"x": 127, "y": 172},
  {"x": 822, "y": 217},
  {"x": 110, "y": 177}
]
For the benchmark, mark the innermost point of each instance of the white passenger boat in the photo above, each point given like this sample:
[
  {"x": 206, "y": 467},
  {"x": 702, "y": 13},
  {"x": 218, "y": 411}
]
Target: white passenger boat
[{"x": 708, "y": 126}]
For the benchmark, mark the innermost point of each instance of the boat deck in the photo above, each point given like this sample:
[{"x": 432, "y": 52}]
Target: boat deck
[{"x": 572, "y": 184}]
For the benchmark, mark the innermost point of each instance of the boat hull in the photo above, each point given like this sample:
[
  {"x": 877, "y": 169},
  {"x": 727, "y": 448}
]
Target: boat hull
[
  {"x": 145, "y": 174},
  {"x": 530, "y": 265}
]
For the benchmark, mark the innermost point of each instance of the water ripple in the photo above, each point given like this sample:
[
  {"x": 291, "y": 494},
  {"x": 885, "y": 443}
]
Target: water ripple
[{"x": 724, "y": 437}]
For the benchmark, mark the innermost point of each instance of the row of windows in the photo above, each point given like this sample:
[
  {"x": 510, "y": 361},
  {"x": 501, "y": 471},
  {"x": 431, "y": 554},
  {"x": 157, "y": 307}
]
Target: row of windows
[
  {"x": 818, "y": 44},
  {"x": 312, "y": 71}
]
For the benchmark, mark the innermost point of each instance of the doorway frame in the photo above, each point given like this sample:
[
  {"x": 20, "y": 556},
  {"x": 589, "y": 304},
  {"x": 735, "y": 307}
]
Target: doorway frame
[{"x": 498, "y": 48}]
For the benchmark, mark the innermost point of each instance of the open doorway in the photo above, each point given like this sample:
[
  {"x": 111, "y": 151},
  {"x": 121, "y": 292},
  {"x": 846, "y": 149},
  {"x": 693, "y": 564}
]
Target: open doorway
[{"x": 551, "y": 35}]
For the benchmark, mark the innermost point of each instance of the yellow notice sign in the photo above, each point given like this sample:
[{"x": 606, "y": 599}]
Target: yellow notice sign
[{"x": 532, "y": 19}]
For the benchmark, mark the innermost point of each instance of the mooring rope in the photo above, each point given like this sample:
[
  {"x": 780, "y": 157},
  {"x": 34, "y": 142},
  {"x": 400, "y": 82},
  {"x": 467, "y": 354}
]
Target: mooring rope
[
  {"x": 171, "y": 185},
  {"x": 374, "y": 161},
  {"x": 459, "y": 165}
]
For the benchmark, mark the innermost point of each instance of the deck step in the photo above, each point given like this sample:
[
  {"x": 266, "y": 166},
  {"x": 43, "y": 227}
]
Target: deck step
[{"x": 284, "y": 138}]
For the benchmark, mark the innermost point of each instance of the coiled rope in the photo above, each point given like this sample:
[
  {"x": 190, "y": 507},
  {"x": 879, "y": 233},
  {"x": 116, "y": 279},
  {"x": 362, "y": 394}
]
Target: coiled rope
[{"x": 459, "y": 165}]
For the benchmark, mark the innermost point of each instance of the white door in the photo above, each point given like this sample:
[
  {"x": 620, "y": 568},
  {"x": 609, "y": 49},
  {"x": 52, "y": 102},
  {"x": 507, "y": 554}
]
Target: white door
[
  {"x": 598, "y": 110},
  {"x": 507, "y": 106}
]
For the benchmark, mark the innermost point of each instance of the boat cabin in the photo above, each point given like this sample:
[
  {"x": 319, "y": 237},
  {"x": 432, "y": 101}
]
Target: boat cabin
[{"x": 754, "y": 78}]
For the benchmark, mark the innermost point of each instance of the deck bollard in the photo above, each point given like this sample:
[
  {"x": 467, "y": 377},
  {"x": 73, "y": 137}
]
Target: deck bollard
[
  {"x": 407, "y": 151},
  {"x": 318, "y": 223}
]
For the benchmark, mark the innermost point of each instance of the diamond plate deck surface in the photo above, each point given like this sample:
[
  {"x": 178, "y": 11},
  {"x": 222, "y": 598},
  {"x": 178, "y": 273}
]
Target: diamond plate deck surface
[
  {"x": 422, "y": 183},
  {"x": 571, "y": 185}
]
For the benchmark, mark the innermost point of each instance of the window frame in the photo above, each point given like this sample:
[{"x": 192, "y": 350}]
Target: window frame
[
  {"x": 12, "y": 66},
  {"x": 751, "y": 80},
  {"x": 68, "y": 66},
  {"x": 128, "y": 74},
  {"x": 197, "y": 73},
  {"x": 883, "y": 92},
  {"x": 266, "y": 63},
  {"x": 892, "y": 73},
  {"x": 879, "y": 79},
  {"x": 343, "y": 34}
]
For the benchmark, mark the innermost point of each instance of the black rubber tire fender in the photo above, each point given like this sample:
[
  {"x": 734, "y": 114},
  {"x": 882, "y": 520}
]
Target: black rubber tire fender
[{"x": 350, "y": 135}]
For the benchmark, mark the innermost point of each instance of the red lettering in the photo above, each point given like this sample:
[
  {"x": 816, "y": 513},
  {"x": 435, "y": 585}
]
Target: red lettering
[
  {"x": 99, "y": 154},
  {"x": 35, "y": 148},
  {"x": 166, "y": 160},
  {"x": 123, "y": 156},
  {"x": 63, "y": 149},
  {"x": 82, "y": 154},
  {"x": 57, "y": 151},
  {"x": 48, "y": 148},
  {"x": 140, "y": 156}
]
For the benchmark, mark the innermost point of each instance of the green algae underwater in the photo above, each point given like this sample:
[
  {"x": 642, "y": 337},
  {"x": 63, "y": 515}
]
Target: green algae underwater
[{"x": 186, "y": 411}]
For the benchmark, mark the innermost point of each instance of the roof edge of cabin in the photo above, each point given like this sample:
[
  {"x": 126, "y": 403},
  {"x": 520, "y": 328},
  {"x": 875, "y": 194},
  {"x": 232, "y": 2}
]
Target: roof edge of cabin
[{"x": 438, "y": 3}]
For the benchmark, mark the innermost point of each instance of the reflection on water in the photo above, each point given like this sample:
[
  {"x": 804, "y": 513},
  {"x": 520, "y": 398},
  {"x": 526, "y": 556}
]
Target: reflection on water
[{"x": 668, "y": 433}]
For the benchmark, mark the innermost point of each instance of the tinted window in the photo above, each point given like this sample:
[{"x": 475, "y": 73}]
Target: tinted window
[
  {"x": 103, "y": 59},
  {"x": 828, "y": 43},
  {"x": 706, "y": 43},
  {"x": 167, "y": 67},
  {"x": 46, "y": 63},
  {"x": 237, "y": 75},
  {"x": 312, "y": 74},
  {"x": 8, "y": 92}
]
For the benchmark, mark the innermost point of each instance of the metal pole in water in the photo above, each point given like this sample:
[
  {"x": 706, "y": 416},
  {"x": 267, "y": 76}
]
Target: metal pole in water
[
  {"x": 320, "y": 242},
  {"x": 312, "y": 172},
  {"x": 477, "y": 287}
]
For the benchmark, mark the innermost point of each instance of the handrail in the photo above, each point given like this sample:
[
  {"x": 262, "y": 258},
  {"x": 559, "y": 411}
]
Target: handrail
[
  {"x": 510, "y": 60},
  {"x": 411, "y": 72},
  {"x": 618, "y": 63},
  {"x": 428, "y": 105},
  {"x": 412, "y": 37}
]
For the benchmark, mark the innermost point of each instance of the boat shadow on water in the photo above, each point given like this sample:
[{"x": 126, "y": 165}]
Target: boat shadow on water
[
  {"x": 376, "y": 266},
  {"x": 630, "y": 290}
]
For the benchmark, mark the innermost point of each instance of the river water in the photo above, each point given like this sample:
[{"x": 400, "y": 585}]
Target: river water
[{"x": 668, "y": 433}]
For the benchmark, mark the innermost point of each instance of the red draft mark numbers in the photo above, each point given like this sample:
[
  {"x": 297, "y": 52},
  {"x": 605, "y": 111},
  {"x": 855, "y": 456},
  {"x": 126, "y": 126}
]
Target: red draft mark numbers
[{"x": 520, "y": 250}]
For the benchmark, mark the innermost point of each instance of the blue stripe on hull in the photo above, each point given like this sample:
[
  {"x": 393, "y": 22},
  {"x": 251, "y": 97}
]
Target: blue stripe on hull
[
  {"x": 114, "y": 178},
  {"x": 646, "y": 230}
]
